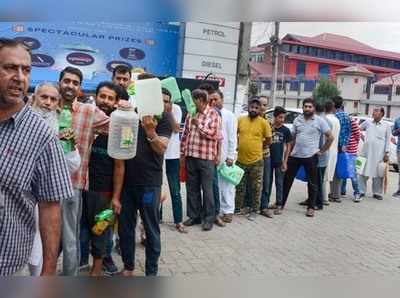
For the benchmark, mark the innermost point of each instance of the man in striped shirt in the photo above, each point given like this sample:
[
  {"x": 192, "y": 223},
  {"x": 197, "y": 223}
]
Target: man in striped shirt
[
  {"x": 32, "y": 169},
  {"x": 87, "y": 120},
  {"x": 344, "y": 135},
  {"x": 352, "y": 148},
  {"x": 199, "y": 150}
]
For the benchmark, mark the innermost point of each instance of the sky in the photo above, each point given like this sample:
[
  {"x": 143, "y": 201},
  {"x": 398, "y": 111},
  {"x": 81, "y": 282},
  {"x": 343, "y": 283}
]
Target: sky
[{"x": 383, "y": 36}]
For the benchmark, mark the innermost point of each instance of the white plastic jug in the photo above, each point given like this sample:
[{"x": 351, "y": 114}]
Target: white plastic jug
[
  {"x": 148, "y": 97},
  {"x": 123, "y": 134}
]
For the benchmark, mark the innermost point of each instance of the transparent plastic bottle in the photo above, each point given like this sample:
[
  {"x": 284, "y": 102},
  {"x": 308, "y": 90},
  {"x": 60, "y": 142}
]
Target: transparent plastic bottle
[
  {"x": 123, "y": 134},
  {"x": 148, "y": 97}
]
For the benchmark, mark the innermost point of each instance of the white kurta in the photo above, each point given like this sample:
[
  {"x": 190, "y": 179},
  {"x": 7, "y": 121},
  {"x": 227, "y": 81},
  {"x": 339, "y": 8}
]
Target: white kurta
[
  {"x": 333, "y": 149},
  {"x": 228, "y": 150},
  {"x": 376, "y": 143}
]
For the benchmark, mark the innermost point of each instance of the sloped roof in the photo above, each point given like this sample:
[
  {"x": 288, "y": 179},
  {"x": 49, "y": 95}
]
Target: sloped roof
[
  {"x": 261, "y": 68},
  {"x": 340, "y": 42},
  {"x": 257, "y": 49},
  {"x": 392, "y": 79},
  {"x": 356, "y": 69}
]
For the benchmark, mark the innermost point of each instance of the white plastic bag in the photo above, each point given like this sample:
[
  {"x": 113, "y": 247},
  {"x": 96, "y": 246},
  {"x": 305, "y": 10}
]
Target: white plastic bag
[
  {"x": 360, "y": 164},
  {"x": 73, "y": 161}
]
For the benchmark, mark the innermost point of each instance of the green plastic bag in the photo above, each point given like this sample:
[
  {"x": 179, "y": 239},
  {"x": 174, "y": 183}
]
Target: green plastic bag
[
  {"x": 105, "y": 215},
  {"x": 233, "y": 174},
  {"x": 172, "y": 86},
  {"x": 65, "y": 122},
  {"x": 190, "y": 106},
  {"x": 131, "y": 89}
]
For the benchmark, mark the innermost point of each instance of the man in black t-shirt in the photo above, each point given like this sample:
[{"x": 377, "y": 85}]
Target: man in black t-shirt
[
  {"x": 142, "y": 191},
  {"x": 105, "y": 183},
  {"x": 281, "y": 137}
]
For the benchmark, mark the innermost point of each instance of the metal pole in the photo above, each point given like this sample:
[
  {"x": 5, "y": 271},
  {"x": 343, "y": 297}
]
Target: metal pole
[{"x": 275, "y": 55}]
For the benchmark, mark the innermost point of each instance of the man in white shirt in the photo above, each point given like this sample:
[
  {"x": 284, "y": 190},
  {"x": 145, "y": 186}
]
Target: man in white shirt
[
  {"x": 172, "y": 160},
  {"x": 228, "y": 155},
  {"x": 376, "y": 150}
]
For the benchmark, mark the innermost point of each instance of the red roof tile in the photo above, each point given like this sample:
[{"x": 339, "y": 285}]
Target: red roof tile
[
  {"x": 339, "y": 42},
  {"x": 391, "y": 79}
]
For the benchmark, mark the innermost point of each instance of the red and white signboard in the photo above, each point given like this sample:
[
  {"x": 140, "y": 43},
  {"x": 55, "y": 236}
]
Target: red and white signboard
[
  {"x": 212, "y": 48},
  {"x": 221, "y": 81}
]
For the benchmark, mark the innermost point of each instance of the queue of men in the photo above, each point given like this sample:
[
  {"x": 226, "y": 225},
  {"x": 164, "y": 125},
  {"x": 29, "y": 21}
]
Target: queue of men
[{"x": 56, "y": 175}]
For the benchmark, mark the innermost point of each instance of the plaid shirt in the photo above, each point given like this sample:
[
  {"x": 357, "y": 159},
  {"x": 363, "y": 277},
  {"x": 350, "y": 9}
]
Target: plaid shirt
[
  {"x": 87, "y": 120},
  {"x": 32, "y": 170},
  {"x": 345, "y": 128},
  {"x": 202, "y": 141}
]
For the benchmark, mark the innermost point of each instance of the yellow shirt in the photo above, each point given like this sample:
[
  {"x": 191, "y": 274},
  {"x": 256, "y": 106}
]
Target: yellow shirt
[{"x": 251, "y": 136}]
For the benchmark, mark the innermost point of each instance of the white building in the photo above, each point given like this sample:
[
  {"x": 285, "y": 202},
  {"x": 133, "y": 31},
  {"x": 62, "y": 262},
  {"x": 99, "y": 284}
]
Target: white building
[{"x": 352, "y": 83}]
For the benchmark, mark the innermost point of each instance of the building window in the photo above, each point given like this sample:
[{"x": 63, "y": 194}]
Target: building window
[
  {"x": 347, "y": 57},
  {"x": 324, "y": 70},
  {"x": 285, "y": 48},
  {"x": 397, "y": 90},
  {"x": 381, "y": 89},
  {"x": 312, "y": 51},
  {"x": 267, "y": 85},
  {"x": 309, "y": 85},
  {"x": 356, "y": 81},
  {"x": 294, "y": 85},
  {"x": 301, "y": 69},
  {"x": 355, "y": 104},
  {"x": 339, "y": 55},
  {"x": 321, "y": 53},
  {"x": 303, "y": 50}
]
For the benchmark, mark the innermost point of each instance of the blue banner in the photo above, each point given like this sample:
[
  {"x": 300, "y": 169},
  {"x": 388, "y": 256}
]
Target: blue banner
[{"x": 96, "y": 48}]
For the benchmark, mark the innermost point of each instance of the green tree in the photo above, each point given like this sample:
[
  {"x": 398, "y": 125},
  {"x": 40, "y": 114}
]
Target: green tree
[{"x": 325, "y": 91}]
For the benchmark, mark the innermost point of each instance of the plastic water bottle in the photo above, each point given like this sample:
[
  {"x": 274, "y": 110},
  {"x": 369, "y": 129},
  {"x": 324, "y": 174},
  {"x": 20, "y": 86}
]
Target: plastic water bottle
[
  {"x": 148, "y": 97},
  {"x": 122, "y": 140}
]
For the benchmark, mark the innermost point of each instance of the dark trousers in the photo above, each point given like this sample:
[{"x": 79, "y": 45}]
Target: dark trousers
[
  {"x": 200, "y": 175},
  {"x": 320, "y": 196},
  {"x": 172, "y": 169},
  {"x": 279, "y": 175},
  {"x": 146, "y": 199},
  {"x": 217, "y": 203},
  {"x": 310, "y": 167},
  {"x": 92, "y": 204}
]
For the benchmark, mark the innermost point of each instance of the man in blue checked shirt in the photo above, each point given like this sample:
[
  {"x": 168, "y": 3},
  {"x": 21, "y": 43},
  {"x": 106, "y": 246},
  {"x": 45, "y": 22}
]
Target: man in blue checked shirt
[
  {"x": 344, "y": 135},
  {"x": 32, "y": 169}
]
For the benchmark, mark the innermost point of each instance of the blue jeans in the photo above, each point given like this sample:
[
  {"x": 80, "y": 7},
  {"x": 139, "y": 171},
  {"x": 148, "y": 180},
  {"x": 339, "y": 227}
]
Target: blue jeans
[
  {"x": 146, "y": 199},
  {"x": 266, "y": 190},
  {"x": 172, "y": 169}
]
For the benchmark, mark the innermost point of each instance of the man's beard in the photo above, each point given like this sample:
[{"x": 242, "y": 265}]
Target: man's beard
[
  {"x": 68, "y": 97},
  {"x": 253, "y": 114},
  {"x": 106, "y": 109},
  {"x": 308, "y": 114}
]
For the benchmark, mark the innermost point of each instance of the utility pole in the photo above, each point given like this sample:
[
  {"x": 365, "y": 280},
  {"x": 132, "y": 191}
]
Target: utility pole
[
  {"x": 243, "y": 69},
  {"x": 275, "y": 54}
]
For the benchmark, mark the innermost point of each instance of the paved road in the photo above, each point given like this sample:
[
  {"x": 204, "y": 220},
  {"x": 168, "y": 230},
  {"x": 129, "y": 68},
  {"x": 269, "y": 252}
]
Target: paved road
[{"x": 342, "y": 240}]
